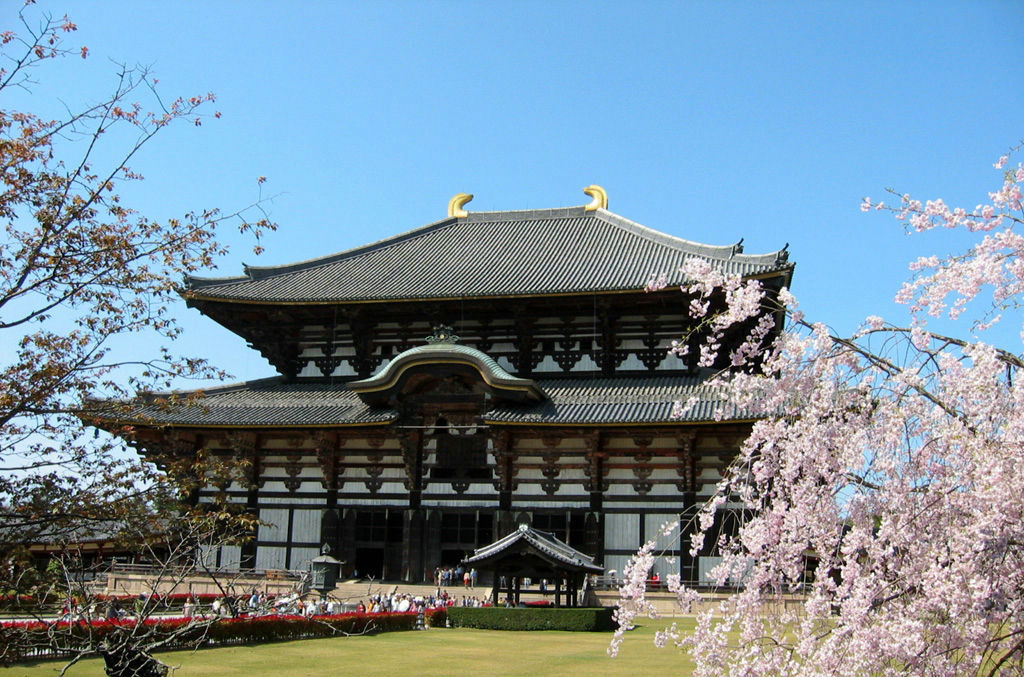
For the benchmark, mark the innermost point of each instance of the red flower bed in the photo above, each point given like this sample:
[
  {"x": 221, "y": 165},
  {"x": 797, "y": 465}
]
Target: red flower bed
[{"x": 243, "y": 630}]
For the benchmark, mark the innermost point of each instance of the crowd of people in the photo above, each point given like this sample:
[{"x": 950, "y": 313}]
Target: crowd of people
[
  {"x": 448, "y": 576},
  {"x": 391, "y": 602}
]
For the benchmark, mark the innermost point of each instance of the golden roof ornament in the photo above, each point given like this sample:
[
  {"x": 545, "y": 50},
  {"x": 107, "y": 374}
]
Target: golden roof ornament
[
  {"x": 443, "y": 334},
  {"x": 455, "y": 205},
  {"x": 600, "y": 196}
]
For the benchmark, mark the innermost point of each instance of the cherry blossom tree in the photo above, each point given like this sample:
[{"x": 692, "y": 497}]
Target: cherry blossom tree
[
  {"x": 82, "y": 273},
  {"x": 82, "y": 276},
  {"x": 882, "y": 480}
]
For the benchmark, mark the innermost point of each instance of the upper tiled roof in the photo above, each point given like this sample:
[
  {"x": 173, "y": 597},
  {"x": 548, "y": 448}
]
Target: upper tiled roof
[
  {"x": 510, "y": 253},
  {"x": 600, "y": 401}
]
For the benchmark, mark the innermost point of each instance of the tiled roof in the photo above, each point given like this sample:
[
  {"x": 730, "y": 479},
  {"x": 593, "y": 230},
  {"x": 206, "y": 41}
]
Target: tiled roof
[
  {"x": 487, "y": 254},
  {"x": 601, "y": 401},
  {"x": 268, "y": 402},
  {"x": 543, "y": 543},
  {"x": 629, "y": 400}
]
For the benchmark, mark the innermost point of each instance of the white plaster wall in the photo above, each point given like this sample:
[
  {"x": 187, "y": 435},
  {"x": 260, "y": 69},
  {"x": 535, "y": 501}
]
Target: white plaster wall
[
  {"x": 615, "y": 563},
  {"x": 289, "y": 500},
  {"x": 672, "y": 361},
  {"x": 572, "y": 475},
  {"x": 208, "y": 556},
  {"x": 525, "y": 490},
  {"x": 586, "y": 363},
  {"x": 344, "y": 368},
  {"x": 392, "y": 487},
  {"x": 306, "y": 526},
  {"x": 230, "y": 557},
  {"x": 301, "y": 557},
  {"x": 620, "y": 531},
  {"x": 548, "y": 364},
  {"x": 270, "y": 558},
  {"x": 275, "y": 527},
  {"x": 704, "y": 567},
  {"x": 653, "y": 525},
  {"x": 311, "y": 473},
  {"x": 632, "y": 363}
]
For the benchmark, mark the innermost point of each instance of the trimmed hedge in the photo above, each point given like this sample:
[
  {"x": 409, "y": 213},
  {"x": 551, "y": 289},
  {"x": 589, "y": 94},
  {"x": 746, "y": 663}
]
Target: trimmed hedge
[
  {"x": 436, "y": 618},
  {"x": 53, "y": 600},
  {"x": 16, "y": 637},
  {"x": 499, "y": 618}
]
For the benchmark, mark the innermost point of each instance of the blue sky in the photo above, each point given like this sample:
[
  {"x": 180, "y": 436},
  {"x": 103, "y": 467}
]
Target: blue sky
[{"x": 712, "y": 121}]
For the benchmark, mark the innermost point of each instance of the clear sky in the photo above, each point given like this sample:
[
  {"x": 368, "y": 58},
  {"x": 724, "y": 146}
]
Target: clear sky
[{"x": 712, "y": 121}]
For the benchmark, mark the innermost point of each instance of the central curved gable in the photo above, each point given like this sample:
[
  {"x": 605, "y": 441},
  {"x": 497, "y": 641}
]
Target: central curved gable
[{"x": 444, "y": 361}]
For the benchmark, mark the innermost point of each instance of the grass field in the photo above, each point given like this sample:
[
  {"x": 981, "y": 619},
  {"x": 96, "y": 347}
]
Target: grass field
[{"x": 433, "y": 653}]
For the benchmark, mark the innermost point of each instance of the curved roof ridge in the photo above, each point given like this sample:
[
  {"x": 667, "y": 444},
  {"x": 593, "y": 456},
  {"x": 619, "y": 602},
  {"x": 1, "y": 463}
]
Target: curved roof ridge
[
  {"x": 711, "y": 251},
  {"x": 493, "y": 374},
  {"x": 260, "y": 272}
]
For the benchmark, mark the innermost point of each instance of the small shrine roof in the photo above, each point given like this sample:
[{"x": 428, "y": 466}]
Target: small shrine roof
[
  {"x": 489, "y": 254},
  {"x": 273, "y": 402},
  {"x": 543, "y": 544}
]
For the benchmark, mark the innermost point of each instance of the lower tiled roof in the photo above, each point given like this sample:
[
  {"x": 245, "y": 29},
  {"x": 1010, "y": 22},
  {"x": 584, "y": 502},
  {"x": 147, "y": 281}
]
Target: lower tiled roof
[
  {"x": 629, "y": 400},
  {"x": 265, "y": 403},
  {"x": 273, "y": 402}
]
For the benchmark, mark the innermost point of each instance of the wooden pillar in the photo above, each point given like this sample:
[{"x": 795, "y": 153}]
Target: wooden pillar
[
  {"x": 504, "y": 470},
  {"x": 246, "y": 448},
  {"x": 412, "y": 458},
  {"x": 413, "y": 569},
  {"x": 688, "y": 485},
  {"x": 558, "y": 589},
  {"x": 496, "y": 587}
]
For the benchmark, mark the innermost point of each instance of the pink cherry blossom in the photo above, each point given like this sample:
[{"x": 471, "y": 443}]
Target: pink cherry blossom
[{"x": 880, "y": 486}]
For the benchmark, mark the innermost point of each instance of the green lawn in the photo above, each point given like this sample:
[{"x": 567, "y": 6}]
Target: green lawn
[{"x": 433, "y": 653}]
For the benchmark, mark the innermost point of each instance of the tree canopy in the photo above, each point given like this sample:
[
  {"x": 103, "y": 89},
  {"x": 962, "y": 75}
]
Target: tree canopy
[
  {"x": 882, "y": 479},
  {"x": 81, "y": 274}
]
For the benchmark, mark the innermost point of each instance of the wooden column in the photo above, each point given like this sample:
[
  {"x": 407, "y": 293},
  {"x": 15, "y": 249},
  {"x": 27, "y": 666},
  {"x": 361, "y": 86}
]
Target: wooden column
[
  {"x": 245, "y": 446},
  {"x": 412, "y": 457},
  {"x": 687, "y": 485},
  {"x": 504, "y": 469}
]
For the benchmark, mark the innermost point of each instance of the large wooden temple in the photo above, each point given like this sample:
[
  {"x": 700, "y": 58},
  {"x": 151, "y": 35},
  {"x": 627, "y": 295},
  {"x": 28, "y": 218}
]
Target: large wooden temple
[{"x": 438, "y": 388}]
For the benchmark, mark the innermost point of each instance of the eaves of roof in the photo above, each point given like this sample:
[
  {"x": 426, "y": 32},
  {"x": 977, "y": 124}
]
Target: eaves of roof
[
  {"x": 487, "y": 255},
  {"x": 275, "y": 403}
]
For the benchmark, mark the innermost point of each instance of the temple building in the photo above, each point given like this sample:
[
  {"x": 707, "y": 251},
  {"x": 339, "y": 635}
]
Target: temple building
[{"x": 439, "y": 388}]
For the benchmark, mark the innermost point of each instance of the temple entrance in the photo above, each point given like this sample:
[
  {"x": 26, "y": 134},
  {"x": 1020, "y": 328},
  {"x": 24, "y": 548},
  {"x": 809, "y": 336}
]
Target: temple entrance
[
  {"x": 462, "y": 533},
  {"x": 378, "y": 543},
  {"x": 370, "y": 563}
]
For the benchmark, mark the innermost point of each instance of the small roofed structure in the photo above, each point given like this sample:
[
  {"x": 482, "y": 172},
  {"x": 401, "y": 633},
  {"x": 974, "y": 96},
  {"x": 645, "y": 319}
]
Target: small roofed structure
[{"x": 531, "y": 553}]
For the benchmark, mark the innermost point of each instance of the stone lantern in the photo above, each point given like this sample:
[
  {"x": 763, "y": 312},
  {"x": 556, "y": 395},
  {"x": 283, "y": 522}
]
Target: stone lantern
[{"x": 325, "y": 572}]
